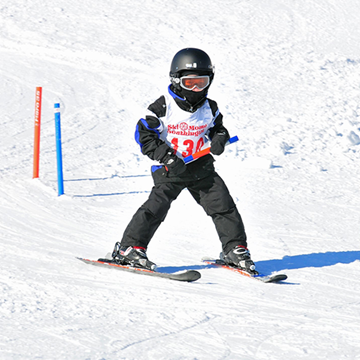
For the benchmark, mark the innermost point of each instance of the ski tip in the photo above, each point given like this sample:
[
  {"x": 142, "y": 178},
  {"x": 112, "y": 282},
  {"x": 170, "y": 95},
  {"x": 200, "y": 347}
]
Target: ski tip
[
  {"x": 281, "y": 277},
  {"x": 193, "y": 275},
  {"x": 274, "y": 278},
  {"x": 185, "y": 275}
]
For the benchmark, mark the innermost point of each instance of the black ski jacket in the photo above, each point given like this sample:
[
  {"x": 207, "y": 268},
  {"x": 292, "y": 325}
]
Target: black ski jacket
[{"x": 148, "y": 136}]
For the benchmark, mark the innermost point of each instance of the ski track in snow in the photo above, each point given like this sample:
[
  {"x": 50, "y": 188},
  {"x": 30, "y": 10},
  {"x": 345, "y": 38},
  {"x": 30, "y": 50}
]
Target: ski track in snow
[{"x": 287, "y": 82}]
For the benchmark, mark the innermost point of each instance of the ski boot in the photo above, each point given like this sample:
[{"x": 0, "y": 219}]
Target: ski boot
[
  {"x": 239, "y": 257},
  {"x": 133, "y": 256}
]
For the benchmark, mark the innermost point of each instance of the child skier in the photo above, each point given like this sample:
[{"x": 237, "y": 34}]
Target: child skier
[{"x": 177, "y": 125}]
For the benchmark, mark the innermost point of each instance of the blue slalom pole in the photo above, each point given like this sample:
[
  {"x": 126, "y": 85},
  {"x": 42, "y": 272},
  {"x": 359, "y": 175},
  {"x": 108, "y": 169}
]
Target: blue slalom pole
[{"x": 58, "y": 150}]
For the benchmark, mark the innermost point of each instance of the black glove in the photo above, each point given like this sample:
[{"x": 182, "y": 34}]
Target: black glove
[
  {"x": 218, "y": 142},
  {"x": 174, "y": 165}
]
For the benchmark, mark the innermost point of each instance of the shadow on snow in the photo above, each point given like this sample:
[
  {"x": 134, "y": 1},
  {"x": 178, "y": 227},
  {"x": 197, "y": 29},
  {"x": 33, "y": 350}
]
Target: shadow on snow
[
  {"x": 267, "y": 267},
  {"x": 109, "y": 178},
  {"x": 112, "y": 194},
  {"x": 308, "y": 260}
]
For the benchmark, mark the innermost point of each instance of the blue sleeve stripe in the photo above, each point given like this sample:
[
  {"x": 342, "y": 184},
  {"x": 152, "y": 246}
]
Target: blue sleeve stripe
[
  {"x": 149, "y": 128},
  {"x": 156, "y": 167},
  {"x": 137, "y": 132},
  {"x": 137, "y": 136}
]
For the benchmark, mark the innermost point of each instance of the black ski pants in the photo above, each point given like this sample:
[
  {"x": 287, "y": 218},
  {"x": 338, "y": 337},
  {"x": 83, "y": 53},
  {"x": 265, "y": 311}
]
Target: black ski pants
[{"x": 210, "y": 192}]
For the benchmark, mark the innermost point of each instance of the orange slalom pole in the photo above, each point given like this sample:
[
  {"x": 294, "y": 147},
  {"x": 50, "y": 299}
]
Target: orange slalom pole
[
  {"x": 206, "y": 151},
  {"x": 200, "y": 153},
  {"x": 38, "y": 98}
]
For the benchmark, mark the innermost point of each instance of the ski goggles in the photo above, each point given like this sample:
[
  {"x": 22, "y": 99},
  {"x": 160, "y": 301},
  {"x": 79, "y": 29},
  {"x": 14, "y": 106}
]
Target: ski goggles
[{"x": 190, "y": 82}]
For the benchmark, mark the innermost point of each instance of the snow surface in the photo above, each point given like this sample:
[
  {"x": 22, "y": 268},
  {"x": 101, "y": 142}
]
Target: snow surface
[{"x": 288, "y": 83}]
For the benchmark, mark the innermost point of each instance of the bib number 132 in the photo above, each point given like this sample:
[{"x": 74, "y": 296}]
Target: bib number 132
[{"x": 188, "y": 145}]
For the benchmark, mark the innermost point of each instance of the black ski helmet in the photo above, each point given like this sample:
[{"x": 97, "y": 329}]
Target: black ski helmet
[{"x": 190, "y": 60}]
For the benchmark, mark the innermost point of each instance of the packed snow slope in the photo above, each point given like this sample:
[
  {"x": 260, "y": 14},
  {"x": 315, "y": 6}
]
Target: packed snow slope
[{"x": 288, "y": 84}]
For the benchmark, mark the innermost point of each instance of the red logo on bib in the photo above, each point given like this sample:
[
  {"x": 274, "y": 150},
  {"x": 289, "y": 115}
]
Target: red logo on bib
[{"x": 184, "y": 126}]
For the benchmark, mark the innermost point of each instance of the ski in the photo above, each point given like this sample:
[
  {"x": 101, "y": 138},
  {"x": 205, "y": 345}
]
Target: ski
[
  {"x": 260, "y": 277},
  {"x": 186, "y": 275}
]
